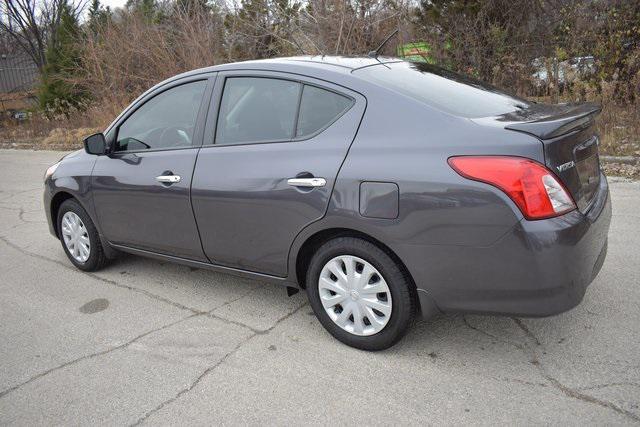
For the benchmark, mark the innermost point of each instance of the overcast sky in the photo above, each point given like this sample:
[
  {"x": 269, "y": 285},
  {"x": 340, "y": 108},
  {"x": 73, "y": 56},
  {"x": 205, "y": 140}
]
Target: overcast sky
[{"x": 113, "y": 3}]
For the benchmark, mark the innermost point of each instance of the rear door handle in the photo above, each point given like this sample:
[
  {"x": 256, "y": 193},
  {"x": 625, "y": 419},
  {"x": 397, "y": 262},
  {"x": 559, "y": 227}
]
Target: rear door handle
[
  {"x": 307, "y": 182},
  {"x": 168, "y": 179}
]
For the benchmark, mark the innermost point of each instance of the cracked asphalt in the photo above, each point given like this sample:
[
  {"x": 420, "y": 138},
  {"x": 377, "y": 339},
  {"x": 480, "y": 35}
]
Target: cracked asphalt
[{"x": 146, "y": 342}]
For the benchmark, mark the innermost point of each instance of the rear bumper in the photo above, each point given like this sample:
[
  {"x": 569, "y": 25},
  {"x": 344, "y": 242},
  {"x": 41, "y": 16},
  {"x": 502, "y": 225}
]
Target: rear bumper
[{"x": 539, "y": 268}]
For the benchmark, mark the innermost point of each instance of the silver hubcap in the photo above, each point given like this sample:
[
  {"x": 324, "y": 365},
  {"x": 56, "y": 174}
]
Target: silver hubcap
[
  {"x": 355, "y": 295},
  {"x": 76, "y": 237}
]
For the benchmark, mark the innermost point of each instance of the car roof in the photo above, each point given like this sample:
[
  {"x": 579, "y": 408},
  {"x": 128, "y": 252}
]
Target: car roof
[
  {"x": 349, "y": 62},
  {"x": 340, "y": 64}
]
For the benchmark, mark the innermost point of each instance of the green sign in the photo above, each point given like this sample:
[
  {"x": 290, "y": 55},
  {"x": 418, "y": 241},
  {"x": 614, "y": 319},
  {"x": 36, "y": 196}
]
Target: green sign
[{"x": 416, "y": 52}]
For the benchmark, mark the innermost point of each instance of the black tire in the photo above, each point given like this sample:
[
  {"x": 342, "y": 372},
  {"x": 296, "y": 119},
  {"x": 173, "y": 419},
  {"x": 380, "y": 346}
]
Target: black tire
[
  {"x": 97, "y": 258},
  {"x": 403, "y": 302}
]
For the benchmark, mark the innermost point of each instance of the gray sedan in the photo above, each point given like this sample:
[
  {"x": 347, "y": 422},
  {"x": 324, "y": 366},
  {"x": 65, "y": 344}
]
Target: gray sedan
[{"x": 384, "y": 188}]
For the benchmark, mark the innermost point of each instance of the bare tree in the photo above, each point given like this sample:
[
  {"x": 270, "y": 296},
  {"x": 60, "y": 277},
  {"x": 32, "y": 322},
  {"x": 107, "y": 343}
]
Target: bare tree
[{"x": 32, "y": 23}]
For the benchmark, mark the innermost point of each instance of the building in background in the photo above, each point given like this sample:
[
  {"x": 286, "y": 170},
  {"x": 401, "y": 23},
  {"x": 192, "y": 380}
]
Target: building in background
[{"x": 18, "y": 78}]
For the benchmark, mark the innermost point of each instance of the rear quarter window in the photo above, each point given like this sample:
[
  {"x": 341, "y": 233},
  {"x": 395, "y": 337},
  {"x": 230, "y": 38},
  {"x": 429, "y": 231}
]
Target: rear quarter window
[
  {"x": 442, "y": 89},
  {"x": 318, "y": 109}
]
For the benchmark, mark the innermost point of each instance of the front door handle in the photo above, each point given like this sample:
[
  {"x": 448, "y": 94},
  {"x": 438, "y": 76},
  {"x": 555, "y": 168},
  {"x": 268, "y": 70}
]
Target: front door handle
[
  {"x": 168, "y": 179},
  {"x": 307, "y": 182}
]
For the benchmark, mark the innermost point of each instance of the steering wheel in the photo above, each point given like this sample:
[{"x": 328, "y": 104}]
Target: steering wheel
[{"x": 174, "y": 136}]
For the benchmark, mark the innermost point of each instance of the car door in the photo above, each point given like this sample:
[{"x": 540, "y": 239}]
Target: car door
[
  {"x": 141, "y": 190},
  {"x": 273, "y": 146}
]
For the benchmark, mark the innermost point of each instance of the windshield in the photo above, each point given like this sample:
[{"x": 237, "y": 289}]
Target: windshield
[{"x": 445, "y": 90}]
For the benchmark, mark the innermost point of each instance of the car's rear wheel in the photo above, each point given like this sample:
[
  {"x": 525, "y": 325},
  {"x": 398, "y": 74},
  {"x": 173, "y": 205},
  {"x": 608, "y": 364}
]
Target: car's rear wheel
[
  {"x": 359, "y": 293},
  {"x": 79, "y": 237}
]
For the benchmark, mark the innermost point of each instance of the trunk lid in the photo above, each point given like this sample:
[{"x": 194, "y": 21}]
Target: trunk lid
[{"x": 570, "y": 142}]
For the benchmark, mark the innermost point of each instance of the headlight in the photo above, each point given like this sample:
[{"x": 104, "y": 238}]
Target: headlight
[{"x": 51, "y": 170}]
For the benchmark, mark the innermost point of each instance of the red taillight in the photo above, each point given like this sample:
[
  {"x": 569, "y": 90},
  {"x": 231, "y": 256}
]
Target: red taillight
[{"x": 532, "y": 187}]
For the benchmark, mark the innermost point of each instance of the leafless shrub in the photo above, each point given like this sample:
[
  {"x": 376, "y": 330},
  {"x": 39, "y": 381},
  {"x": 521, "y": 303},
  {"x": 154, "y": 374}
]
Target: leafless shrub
[
  {"x": 504, "y": 42},
  {"x": 131, "y": 54}
]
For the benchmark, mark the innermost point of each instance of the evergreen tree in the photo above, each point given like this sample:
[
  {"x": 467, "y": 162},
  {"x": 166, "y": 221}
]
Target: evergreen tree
[
  {"x": 98, "y": 16},
  {"x": 192, "y": 7},
  {"x": 57, "y": 94},
  {"x": 147, "y": 8}
]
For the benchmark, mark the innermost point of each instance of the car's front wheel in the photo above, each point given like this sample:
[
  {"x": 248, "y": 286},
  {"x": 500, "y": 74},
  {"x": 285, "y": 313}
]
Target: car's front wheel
[
  {"x": 359, "y": 293},
  {"x": 79, "y": 237}
]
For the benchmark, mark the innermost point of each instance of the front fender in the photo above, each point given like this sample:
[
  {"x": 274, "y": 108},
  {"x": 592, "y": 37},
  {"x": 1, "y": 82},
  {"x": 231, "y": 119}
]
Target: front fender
[{"x": 72, "y": 178}]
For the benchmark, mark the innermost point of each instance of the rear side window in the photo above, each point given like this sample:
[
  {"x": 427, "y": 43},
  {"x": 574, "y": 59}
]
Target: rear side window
[
  {"x": 165, "y": 121},
  {"x": 318, "y": 109},
  {"x": 255, "y": 109},
  {"x": 445, "y": 90},
  {"x": 262, "y": 109}
]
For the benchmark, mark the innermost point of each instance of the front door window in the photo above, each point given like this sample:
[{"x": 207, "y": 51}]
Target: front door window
[{"x": 165, "y": 121}]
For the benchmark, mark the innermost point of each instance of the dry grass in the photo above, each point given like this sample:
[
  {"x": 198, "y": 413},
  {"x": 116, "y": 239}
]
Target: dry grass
[
  {"x": 67, "y": 137},
  {"x": 58, "y": 133},
  {"x": 621, "y": 169},
  {"x": 619, "y": 130}
]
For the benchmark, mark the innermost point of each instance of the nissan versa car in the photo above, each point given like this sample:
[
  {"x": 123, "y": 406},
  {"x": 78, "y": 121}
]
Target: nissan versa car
[{"x": 384, "y": 188}]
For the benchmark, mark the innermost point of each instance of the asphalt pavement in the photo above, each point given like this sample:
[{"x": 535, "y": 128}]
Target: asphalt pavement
[{"x": 148, "y": 342}]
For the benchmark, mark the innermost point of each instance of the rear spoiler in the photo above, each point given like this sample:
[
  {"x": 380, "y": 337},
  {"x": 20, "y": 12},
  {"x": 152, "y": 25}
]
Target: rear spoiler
[{"x": 574, "y": 117}]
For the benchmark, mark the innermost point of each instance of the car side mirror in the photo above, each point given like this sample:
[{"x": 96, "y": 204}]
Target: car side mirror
[{"x": 95, "y": 144}]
